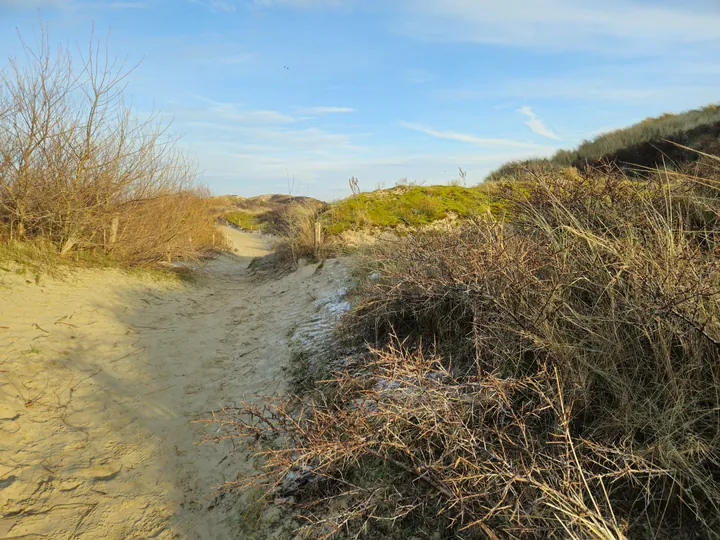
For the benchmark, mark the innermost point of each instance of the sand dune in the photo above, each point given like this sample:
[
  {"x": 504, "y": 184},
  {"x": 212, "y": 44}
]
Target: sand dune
[{"x": 101, "y": 376}]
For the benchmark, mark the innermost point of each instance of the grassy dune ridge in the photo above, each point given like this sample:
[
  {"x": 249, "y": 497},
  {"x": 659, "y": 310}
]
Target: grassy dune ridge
[
  {"x": 412, "y": 206},
  {"x": 309, "y": 228},
  {"x": 650, "y": 144}
]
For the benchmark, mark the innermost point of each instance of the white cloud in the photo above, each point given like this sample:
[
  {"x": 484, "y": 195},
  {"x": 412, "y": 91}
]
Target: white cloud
[
  {"x": 466, "y": 138},
  {"x": 417, "y": 76},
  {"x": 536, "y": 125},
  {"x": 304, "y": 3},
  {"x": 661, "y": 84},
  {"x": 613, "y": 26},
  {"x": 241, "y": 58},
  {"x": 128, "y": 5},
  {"x": 32, "y": 4},
  {"x": 326, "y": 110},
  {"x": 222, "y": 6},
  {"x": 231, "y": 113},
  {"x": 252, "y": 171},
  {"x": 248, "y": 152}
]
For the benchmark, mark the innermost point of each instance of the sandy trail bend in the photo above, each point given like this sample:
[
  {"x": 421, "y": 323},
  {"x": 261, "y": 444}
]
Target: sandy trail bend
[{"x": 101, "y": 376}]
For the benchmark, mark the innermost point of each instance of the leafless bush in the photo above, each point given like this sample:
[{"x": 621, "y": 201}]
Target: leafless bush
[
  {"x": 79, "y": 170},
  {"x": 408, "y": 441}
]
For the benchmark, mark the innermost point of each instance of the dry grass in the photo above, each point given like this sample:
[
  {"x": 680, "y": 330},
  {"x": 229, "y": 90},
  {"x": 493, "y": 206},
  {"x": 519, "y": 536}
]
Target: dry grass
[
  {"x": 299, "y": 235},
  {"x": 80, "y": 172},
  {"x": 405, "y": 441}
]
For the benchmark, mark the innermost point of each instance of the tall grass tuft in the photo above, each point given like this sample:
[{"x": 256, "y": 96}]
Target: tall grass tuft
[{"x": 299, "y": 234}]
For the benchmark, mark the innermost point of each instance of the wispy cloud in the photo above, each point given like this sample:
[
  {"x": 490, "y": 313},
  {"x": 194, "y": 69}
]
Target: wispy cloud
[
  {"x": 222, "y": 6},
  {"x": 32, "y": 4},
  {"x": 467, "y": 138},
  {"x": 615, "y": 26},
  {"x": 241, "y": 58},
  {"x": 304, "y": 3},
  {"x": 326, "y": 110},
  {"x": 128, "y": 5},
  {"x": 536, "y": 125},
  {"x": 417, "y": 76},
  {"x": 682, "y": 83},
  {"x": 232, "y": 113}
]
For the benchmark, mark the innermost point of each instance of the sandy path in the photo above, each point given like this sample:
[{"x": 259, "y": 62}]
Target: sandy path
[{"x": 101, "y": 375}]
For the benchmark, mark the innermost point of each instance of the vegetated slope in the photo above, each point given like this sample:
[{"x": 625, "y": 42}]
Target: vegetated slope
[
  {"x": 308, "y": 228},
  {"x": 262, "y": 213},
  {"x": 409, "y": 206},
  {"x": 550, "y": 375},
  {"x": 401, "y": 206},
  {"x": 651, "y": 143}
]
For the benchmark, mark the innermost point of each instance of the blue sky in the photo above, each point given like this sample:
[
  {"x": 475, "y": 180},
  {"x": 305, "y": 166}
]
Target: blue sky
[{"x": 321, "y": 90}]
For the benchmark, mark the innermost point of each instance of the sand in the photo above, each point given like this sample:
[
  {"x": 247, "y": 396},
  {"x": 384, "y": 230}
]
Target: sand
[{"x": 102, "y": 374}]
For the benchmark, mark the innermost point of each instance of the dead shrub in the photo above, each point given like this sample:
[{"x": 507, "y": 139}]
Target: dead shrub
[
  {"x": 406, "y": 443},
  {"x": 78, "y": 169}
]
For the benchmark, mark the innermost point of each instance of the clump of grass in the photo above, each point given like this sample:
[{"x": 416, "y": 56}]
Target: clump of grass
[
  {"x": 516, "y": 171},
  {"x": 551, "y": 376},
  {"x": 299, "y": 234}
]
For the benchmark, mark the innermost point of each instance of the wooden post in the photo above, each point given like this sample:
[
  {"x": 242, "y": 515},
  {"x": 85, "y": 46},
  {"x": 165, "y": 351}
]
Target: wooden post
[
  {"x": 114, "y": 225},
  {"x": 318, "y": 238}
]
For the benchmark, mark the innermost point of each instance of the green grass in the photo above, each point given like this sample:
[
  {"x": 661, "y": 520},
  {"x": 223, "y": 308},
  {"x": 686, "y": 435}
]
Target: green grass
[
  {"x": 410, "y": 207},
  {"x": 405, "y": 206},
  {"x": 245, "y": 220}
]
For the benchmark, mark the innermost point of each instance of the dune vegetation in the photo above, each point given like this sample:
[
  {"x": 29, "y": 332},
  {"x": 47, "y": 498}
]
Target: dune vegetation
[
  {"x": 307, "y": 228},
  {"x": 246, "y": 221},
  {"x": 263, "y": 213},
  {"x": 550, "y": 374},
  {"x": 81, "y": 178},
  {"x": 546, "y": 364},
  {"x": 408, "y": 206}
]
